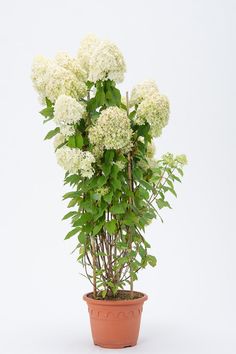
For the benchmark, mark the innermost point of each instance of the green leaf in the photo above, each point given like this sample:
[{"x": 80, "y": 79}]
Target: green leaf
[
  {"x": 47, "y": 112},
  {"x": 100, "y": 97},
  {"x": 180, "y": 171},
  {"x": 72, "y": 203},
  {"x": 68, "y": 215},
  {"x": 173, "y": 192},
  {"x": 101, "y": 181},
  {"x": 75, "y": 141},
  {"x": 79, "y": 140},
  {"x": 106, "y": 169},
  {"x": 116, "y": 184},
  {"x": 71, "y": 195},
  {"x": 84, "y": 218},
  {"x": 104, "y": 292},
  {"x": 119, "y": 208},
  {"x": 176, "y": 178},
  {"x": 130, "y": 218},
  {"x": 48, "y": 102},
  {"x": 110, "y": 226},
  {"x": 151, "y": 260},
  {"x": 52, "y": 133},
  {"x": 98, "y": 228},
  {"x": 146, "y": 185},
  {"x": 72, "y": 233},
  {"x": 108, "y": 197},
  {"x": 162, "y": 203},
  {"x": 109, "y": 156},
  {"x": 82, "y": 238}
]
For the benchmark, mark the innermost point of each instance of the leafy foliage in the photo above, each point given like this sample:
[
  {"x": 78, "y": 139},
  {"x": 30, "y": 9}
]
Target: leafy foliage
[{"x": 111, "y": 210}]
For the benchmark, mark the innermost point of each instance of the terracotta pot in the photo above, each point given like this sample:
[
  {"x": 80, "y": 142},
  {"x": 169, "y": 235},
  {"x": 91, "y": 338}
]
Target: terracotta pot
[{"x": 115, "y": 324}]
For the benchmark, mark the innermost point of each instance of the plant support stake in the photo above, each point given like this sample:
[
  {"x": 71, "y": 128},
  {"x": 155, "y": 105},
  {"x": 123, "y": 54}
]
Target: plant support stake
[{"x": 130, "y": 202}]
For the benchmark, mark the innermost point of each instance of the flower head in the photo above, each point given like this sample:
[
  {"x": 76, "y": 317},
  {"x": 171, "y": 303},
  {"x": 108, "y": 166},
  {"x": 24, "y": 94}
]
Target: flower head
[
  {"x": 155, "y": 111},
  {"x": 38, "y": 73},
  {"x": 182, "y": 159},
  {"x": 86, "y": 50},
  {"x": 106, "y": 62},
  {"x": 61, "y": 81},
  {"x": 112, "y": 129},
  {"x": 67, "y": 110},
  {"x": 72, "y": 64},
  {"x": 58, "y": 140},
  {"x": 142, "y": 91},
  {"x": 75, "y": 160}
]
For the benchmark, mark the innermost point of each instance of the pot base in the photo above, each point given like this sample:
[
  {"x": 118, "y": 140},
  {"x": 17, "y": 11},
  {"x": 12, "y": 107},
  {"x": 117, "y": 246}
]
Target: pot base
[
  {"x": 115, "y": 346},
  {"x": 115, "y": 324}
]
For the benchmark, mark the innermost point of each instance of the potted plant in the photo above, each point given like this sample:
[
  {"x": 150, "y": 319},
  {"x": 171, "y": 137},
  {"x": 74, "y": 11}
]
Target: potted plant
[{"x": 105, "y": 144}]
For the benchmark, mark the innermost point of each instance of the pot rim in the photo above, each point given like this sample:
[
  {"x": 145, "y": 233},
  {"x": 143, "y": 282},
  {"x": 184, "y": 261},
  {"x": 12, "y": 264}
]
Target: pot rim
[{"x": 115, "y": 302}]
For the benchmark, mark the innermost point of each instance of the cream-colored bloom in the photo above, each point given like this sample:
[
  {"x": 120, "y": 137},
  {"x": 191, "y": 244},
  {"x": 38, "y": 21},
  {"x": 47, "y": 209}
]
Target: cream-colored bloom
[
  {"x": 120, "y": 164},
  {"x": 64, "y": 60},
  {"x": 67, "y": 130},
  {"x": 67, "y": 110},
  {"x": 102, "y": 191},
  {"x": 112, "y": 129},
  {"x": 58, "y": 140},
  {"x": 151, "y": 149},
  {"x": 142, "y": 91},
  {"x": 38, "y": 73},
  {"x": 154, "y": 110},
  {"x": 75, "y": 160},
  {"x": 85, "y": 166},
  {"x": 86, "y": 50},
  {"x": 61, "y": 81},
  {"x": 182, "y": 159},
  {"x": 106, "y": 62}
]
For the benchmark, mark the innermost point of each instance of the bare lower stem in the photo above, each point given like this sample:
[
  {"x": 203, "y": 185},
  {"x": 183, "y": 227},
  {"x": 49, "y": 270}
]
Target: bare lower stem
[{"x": 94, "y": 268}]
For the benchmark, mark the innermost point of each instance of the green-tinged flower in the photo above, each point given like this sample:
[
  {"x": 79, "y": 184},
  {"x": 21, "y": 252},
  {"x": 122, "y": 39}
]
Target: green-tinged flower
[
  {"x": 151, "y": 149},
  {"x": 120, "y": 164},
  {"x": 38, "y": 73},
  {"x": 58, "y": 140},
  {"x": 72, "y": 64},
  {"x": 86, "y": 50},
  {"x": 142, "y": 91},
  {"x": 182, "y": 159},
  {"x": 102, "y": 191},
  {"x": 75, "y": 160},
  {"x": 112, "y": 129},
  {"x": 61, "y": 81},
  {"x": 169, "y": 159},
  {"x": 155, "y": 111},
  {"x": 106, "y": 62},
  {"x": 67, "y": 110}
]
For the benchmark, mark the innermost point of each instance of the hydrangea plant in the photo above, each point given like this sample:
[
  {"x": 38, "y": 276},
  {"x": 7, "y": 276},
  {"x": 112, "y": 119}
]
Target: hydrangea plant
[{"x": 105, "y": 143}]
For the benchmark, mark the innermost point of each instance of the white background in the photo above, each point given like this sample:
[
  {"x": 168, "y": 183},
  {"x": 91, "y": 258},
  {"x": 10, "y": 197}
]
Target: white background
[{"x": 188, "y": 47}]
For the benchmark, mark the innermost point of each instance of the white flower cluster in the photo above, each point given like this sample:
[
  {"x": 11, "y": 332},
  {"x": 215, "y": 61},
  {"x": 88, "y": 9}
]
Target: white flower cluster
[
  {"x": 154, "y": 110},
  {"x": 39, "y": 69},
  {"x": 58, "y": 140},
  {"x": 101, "y": 60},
  {"x": 52, "y": 78},
  {"x": 72, "y": 64},
  {"x": 107, "y": 62},
  {"x": 112, "y": 130},
  {"x": 61, "y": 81},
  {"x": 67, "y": 111},
  {"x": 142, "y": 91},
  {"x": 74, "y": 160},
  {"x": 86, "y": 50},
  {"x": 173, "y": 161}
]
